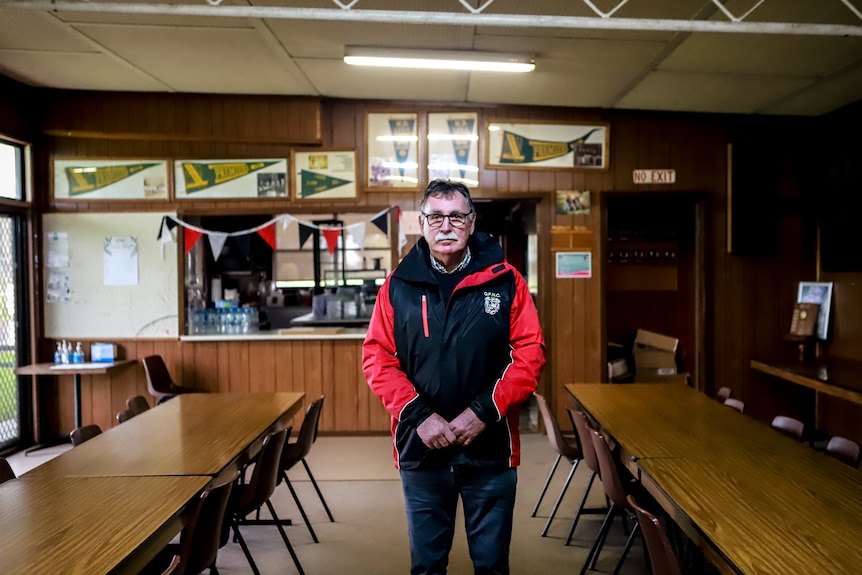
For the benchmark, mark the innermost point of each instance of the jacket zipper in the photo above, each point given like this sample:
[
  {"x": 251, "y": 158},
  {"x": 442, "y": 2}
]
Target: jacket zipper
[{"x": 425, "y": 314}]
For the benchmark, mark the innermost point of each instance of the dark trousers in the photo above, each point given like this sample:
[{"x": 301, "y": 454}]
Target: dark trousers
[{"x": 431, "y": 498}]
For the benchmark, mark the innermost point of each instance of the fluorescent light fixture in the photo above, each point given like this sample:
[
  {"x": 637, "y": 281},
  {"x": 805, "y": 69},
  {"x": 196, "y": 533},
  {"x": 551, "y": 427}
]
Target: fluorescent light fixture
[{"x": 439, "y": 59}]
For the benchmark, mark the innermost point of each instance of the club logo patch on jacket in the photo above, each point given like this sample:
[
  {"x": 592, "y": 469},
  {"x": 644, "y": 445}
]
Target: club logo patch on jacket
[{"x": 492, "y": 303}]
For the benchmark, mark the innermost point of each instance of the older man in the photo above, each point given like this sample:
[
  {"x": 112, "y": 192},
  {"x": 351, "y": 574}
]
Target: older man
[{"x": 453, "y": 350}]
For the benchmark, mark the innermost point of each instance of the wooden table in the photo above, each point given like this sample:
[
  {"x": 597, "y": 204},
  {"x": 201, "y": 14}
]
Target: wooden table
[
  {"x": 191, "y": 434},
  {"x": 76, "y": 370},
  {"x": 89, "y": 525},
  {"x": 757, "y": 500}
]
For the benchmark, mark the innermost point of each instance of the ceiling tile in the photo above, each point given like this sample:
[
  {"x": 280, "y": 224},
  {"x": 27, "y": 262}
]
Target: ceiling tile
[{"x": 75, "y": 72}]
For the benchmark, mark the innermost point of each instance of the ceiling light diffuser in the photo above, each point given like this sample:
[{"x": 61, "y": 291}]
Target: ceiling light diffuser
[{"x": 439, "y": 59}]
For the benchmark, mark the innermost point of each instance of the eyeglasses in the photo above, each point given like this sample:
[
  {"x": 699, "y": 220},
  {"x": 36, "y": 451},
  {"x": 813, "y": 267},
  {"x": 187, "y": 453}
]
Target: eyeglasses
[{"x": 456, "y": 219}]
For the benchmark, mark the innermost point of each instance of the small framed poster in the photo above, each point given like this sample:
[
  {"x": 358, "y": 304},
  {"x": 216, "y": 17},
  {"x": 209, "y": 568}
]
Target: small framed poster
[
  {"x": 574, "y": 264},
  {"x": 85, "y": 179},
  {"x": 453, "y": 147},
  {"x": 523, "y": 145},
  {"x": 324, "y": 174},
  {"x": 225, "y": 179},
  {"x": 821, "y": 294},
  {"x": 392, "y": 151}
]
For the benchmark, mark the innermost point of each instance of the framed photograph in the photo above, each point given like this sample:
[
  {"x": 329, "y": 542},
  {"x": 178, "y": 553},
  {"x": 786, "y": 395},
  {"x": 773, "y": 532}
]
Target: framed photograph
[
  {"x": 226, "y": 179},
  {"x": 86, "y": 179},
  {"x": 522, "y": 145},
  {"x": 453, "y": 147},
  {"x": 392, "y": 151},
  {"x": 573, "y": 202},
  {"x": 821, "y": 294},
  {"x": 324, "y": 174},
  {"x": 574, "y": 264}
]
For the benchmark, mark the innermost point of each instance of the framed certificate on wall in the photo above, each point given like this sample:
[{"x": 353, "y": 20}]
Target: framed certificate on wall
[{"x": 392, "y": 149}]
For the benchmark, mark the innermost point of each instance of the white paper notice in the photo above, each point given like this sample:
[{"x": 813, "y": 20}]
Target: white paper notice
[
  {"x": 59, "y": 286},
  {"x": 58, "y": 250},
  {"x": 121, "y": 261}
]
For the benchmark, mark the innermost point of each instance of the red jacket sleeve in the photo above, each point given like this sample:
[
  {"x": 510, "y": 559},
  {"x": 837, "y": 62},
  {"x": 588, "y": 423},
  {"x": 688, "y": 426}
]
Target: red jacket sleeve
[
  {"x": 382, "y": 368},
  {"x": 527, "y": 360}
]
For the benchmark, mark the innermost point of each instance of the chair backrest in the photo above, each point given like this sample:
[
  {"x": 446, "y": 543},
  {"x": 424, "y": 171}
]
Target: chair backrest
[
  {"x": 588, "y": 452},
  {"x": 173, "y": 566},
  {"x": 662, "y": 557},
  {"x": 264, "y": 477},
  {"x": 6, "y": 471},
  {"x": 560, "y": 444},
  {"x": 125, "y": 415},
  {"x": 723, "y": 393},
  {"x": 295, "y": 452},
  {"x": 788, "y": 426},
  {"x": 137, "y": 404},
  {"x": 159, "y": 380},
  {"x": 736, "y": 404},
  {"x": 844, "y": 449},
  {"x": 84, "y": 433},
  {"x": 611, "y": 480},
  {"x": 200, "y": 538}
]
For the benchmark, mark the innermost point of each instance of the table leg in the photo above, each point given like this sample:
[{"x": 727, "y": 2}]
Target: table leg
[{"x": 77, "y": 385}]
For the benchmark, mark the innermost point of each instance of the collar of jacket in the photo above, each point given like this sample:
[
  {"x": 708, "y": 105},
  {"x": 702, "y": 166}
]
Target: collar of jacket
[{"x": 416, "y": 265}]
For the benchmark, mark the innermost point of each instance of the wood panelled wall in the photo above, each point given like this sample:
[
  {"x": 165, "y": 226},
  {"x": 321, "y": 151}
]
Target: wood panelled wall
[{"x": 748, "y": 300}]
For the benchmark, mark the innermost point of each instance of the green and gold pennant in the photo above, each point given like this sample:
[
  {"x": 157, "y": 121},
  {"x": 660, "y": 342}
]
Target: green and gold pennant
[
  {"x": 201, "y": 176},
  {"x": 313, "y": 183},
  {"x": 520, "y": 150},
  {"x": 85, "y": 179}
]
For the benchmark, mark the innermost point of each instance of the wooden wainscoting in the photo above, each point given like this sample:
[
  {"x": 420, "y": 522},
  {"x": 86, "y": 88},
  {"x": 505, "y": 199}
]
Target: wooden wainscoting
[{"x": 328, "y": 367}]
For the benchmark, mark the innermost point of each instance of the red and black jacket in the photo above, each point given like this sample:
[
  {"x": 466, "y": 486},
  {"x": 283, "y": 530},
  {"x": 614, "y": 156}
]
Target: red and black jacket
[{"x": 483, "y": 350}]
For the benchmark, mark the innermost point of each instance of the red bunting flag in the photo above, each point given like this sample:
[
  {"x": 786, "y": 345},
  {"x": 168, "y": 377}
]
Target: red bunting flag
[
  {"x": 190, "y": 238},
  {"x": 268, "y": 234},
  {"x": 331, "y": 236}
]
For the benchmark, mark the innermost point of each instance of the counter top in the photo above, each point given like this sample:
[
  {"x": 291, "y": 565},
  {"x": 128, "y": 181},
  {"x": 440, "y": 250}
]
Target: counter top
[{"x": 304, "y": 333}]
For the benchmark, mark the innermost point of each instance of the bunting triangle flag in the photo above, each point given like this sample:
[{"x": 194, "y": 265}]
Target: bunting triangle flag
[
  {"x": 331, "y": 235},
  {"x": 313, "y": 184},
  {"x": 305, "y": 232},
  {"x": 268, "y": 234},
  {"x": 217, "y": 240},
  {"x": 190, "y": 238},
  {"x": 382, "y": 222},
  {"x": 165, "y": 231},
  {"x": 244, "y": 243},
  {"x": 286, "y": 220},
  {"x": 357, "y": 231}
]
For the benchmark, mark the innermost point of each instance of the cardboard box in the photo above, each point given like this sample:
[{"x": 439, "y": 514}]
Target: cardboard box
[{"x": 654, "y": 354}]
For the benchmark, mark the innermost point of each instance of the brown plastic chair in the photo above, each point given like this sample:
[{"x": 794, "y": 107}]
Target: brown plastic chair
[
  {"x": 662, "y": 557},
  {"x": 137, "y": 404},
  {"x": 297, "y": 452},
  {"x": 125, "y": 415},
  {"x": 564, "y": 447},
  {"x": 6, "y": 471},
  {"x": 723, "y": 393},
  {"x": 617, "y": 494},
  {"x": 249, "y": 497},
  {"x": 736, "y": 404},
  {"x": 159, "y": 381},
  {"x": 844, "y": 449},
  {"x": 789, "y": 426},
  {"x": 198, "y": 546},
  {"x": 588, "y": 452},
  {"x": 84, "y": 433}
]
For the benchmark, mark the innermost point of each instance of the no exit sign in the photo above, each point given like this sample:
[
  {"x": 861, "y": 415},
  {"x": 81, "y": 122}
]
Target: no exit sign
[{"x": 654, "y": 176}]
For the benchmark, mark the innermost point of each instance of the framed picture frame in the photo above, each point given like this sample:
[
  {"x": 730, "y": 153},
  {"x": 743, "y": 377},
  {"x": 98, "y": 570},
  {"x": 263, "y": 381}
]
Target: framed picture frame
[
  {"x": 549, "y": 146},
  {"x": 453, "y": 147},
  {"x": 227, "y": 179},
  {"x": 821, "y": 294},
  {"x": 392, "y": 151},
  {"x": 573, "y": 202},
  {"x": 88, "y": 179},
  {"x": 574, "y": 264},
  {"x": 324, "y": 174}
]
